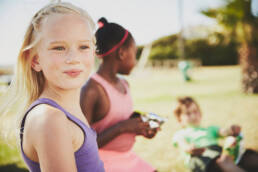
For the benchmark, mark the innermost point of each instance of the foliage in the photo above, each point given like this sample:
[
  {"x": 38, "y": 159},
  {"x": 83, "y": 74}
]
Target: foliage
[
  {"x": 165, "y": 48},
  {"x": 213, "y": 54},
  {"x": 218, "y": 52},
  {"x": 236, "y": 17},
  {"x": 239, "y": 26},
  {"x": 139, "y": 51}
]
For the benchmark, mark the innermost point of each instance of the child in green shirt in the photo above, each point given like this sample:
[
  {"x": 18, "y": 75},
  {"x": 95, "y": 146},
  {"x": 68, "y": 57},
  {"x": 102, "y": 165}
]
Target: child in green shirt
[{"x": 200, "y": 146}]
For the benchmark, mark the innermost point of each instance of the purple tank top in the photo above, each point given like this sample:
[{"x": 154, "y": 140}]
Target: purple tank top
[{"x": 87, "y": 157}]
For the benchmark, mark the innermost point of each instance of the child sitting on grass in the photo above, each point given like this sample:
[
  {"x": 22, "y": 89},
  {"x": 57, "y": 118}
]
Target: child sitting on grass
[{"x": 200, "y": 145}]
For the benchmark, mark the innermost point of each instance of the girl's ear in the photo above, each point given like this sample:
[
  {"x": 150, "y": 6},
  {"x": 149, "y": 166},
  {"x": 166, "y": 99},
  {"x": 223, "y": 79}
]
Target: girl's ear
[
  {"x": 121, "y": 53},
  {"x": 35, "y": 64}
]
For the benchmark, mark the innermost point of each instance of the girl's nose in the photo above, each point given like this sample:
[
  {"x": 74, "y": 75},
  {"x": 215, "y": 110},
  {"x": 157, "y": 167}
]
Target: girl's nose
[{"x": 72, "y": 57}]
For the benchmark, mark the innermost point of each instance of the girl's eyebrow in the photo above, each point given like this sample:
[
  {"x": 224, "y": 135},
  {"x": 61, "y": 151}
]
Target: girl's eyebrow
[
  {"x": 58, "y": 42},
  {"x": 88, "y": 40}
]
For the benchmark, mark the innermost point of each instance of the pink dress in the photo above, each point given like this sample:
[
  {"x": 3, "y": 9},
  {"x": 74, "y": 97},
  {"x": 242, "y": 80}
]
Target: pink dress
[{"x": 117, "y": 155}]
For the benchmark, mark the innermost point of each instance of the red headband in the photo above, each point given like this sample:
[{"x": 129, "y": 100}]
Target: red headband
[
  {"x": 101, "y": 24},
  {"x": 116, "y": 46}
]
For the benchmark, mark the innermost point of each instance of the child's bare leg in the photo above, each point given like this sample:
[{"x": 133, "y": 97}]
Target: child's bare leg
[{"x": 227, "y": 164}]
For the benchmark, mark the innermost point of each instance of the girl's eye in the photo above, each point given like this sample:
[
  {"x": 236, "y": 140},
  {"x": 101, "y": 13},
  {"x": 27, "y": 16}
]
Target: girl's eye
[
  {"x": 59, "y": 48},
  {"x": 83, "y": 47}
]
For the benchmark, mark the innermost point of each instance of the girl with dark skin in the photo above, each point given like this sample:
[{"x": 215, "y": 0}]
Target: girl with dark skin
[{"x": 110, "y": 115}]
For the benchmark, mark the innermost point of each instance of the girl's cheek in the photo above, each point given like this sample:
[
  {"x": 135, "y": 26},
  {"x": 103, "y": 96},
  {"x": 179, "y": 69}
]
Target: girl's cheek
[{"x": 89, "y": 62}]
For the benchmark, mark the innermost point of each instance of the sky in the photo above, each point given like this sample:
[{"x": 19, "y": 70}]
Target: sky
[{"x": 147, "y": 20}]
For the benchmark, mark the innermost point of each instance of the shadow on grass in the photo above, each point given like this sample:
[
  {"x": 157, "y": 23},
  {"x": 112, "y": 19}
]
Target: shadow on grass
[{"x": 12, "y": 168}]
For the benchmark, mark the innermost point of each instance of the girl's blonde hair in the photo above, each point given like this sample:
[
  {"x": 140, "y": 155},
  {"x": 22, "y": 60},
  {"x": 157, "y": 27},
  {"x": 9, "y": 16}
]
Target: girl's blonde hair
[{"x": 27, "y": 84}]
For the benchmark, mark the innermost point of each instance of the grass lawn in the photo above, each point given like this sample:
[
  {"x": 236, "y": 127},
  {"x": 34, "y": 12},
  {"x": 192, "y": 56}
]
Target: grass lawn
[{"x": 218, "y": 91}]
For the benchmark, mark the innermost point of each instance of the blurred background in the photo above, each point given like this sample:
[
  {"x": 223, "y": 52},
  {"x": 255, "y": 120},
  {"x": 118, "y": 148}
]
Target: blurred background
[{"x": 201, "y": 48}]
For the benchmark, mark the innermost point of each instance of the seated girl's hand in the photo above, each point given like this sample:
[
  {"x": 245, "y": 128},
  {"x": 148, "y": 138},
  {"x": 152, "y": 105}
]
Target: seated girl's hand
[
  {"x": 151, "y": 132},
  {"x": 138, "y": 127}
]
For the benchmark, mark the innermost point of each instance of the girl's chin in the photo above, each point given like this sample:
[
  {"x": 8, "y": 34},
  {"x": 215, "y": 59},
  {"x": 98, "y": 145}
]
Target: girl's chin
[{"x": 71, "y": 86}]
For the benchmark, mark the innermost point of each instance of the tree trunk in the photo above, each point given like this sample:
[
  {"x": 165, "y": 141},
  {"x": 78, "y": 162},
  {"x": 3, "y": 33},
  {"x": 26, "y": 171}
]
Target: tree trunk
[{"x": 249, "y": 62}]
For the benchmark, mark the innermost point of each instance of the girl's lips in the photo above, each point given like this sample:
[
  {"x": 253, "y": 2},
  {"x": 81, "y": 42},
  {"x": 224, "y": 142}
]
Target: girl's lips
[{"x": 73, "y": 73}]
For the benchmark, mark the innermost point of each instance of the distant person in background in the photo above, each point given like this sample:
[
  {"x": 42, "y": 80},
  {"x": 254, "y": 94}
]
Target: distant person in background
[
  {"x": 184, "y": 67},
  {"x": 55, "y": 60},
  {"x": 200, "y": 145},
  {"x": 107, "y": 103}
]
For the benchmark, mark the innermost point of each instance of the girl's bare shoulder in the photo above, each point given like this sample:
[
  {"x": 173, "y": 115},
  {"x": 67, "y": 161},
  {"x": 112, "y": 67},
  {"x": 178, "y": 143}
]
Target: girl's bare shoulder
[
  {"x": 44, "y": 119},
  {"x": 92, "y": 89}
]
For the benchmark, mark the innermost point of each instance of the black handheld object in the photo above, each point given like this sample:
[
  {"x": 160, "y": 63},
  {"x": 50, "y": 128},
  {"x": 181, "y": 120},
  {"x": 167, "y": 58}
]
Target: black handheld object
[{"x": 135, "y": 114}]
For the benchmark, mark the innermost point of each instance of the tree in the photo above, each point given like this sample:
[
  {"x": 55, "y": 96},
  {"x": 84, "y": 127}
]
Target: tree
[{"x": 237, "y": 19}]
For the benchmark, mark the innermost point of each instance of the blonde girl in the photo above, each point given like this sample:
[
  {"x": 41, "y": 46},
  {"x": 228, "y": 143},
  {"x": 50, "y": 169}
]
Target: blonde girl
[{"x": 55, "y": 60}]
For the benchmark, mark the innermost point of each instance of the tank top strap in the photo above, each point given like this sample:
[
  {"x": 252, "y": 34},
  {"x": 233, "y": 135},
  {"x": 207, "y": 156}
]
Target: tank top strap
[
  {"x": 53, "y": 104},
  {"x": 110, "y": 88},
  {"x": 35, "y": 103},
  {"x": 125, "y": 83},
  {"x": 86, "y": 157},
  {"x": 101, "y": 80}
]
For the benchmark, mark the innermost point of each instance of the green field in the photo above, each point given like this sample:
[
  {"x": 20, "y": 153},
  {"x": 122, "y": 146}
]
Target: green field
[{"x": 218, "y": 91}]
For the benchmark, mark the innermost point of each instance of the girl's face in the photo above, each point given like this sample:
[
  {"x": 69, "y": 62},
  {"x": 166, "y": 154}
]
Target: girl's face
[
  {"x": 191, "y": 116},
  {"x": 65, "y": 53},
  {"x": 129, "y": 61}
]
